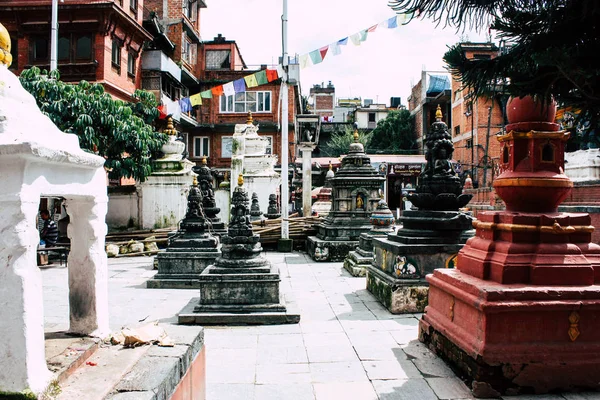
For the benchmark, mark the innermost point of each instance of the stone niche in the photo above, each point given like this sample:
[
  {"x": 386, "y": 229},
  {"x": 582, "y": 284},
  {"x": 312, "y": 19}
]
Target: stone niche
[
  {"x": 36, "y": 159},
  {"x": 355, "y": 195}
]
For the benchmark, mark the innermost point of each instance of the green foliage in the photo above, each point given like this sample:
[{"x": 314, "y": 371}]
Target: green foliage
[
  {"x": 339, "y": 143},
  {"x": 551, "y": 49},
  {"x": 394, "y": 134},
  {"x": 116, "y": 130}
]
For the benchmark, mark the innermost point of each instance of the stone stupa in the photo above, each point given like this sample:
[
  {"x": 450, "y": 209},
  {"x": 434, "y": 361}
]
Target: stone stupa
[
  {"x": 355, "y": 195},
  {"x": 242, "y": 287},
  {"x": 209, "y": 205},
  {"x": 430, "y": 237},
  {"x": 190, "y": 250}
]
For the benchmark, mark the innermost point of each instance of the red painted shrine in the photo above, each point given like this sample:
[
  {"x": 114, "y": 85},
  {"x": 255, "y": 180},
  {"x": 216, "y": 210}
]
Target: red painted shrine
[{"x": 521, "y": 312}]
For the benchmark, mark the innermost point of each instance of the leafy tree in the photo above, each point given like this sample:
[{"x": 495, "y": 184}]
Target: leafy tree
[
  {"x": 116, "y": 130},
  {"x": 339, "y": 143},
  {"x": 551, "y": 49},
  {"x": 394, "y": 134}
]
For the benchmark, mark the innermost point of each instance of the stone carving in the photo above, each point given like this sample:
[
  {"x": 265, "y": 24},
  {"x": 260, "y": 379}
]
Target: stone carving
[
  {"x": 440, "y": 188},
  {"x": 240, "y": 225},
  {"x": 255, "y": 213},
  {"x": 209, "y": 204},
  {"x": 321, "y": 253},
  {"x": 404, "y": 268},
  {"x": 273, "y": 210}
]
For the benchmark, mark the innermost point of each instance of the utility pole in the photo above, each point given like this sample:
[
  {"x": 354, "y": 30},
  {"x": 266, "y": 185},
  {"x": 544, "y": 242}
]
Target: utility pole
[
  {"x": 54, "y": 36},
  {"x": 285, "y": 230}
]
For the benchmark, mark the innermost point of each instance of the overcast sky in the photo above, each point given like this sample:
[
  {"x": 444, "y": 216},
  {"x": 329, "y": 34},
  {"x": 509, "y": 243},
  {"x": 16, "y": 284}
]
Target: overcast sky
[{"x": 387, "y": 64}]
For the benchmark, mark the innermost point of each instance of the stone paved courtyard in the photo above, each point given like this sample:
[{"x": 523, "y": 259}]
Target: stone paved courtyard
[{"x": 347, "y": 346}]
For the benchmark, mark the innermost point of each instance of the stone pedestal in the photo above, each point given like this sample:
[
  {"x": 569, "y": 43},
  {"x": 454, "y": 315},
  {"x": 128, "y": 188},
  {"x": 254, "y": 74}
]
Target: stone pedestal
[
  {"x": 190, "y": 250},
  {"x": 323, "y": 204},
  {"x": 430, "y": 237},
  {"x": 355, "y": 195},
  {"x": 583, "y": 165},
  {"x": 521, "y": 311},
  {"x": 382, "y": 221},
  {"x": 36, "y": 159},
  {"x": 307, "y": 149},
  {"x": 241, "y": 287}
]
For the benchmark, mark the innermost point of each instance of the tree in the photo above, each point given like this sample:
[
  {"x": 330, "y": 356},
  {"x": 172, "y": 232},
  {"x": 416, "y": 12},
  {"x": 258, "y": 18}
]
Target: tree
[
  {"x": 551, "y": 50},
  {"x": 394, "y": 134},
  {"x": 339, "y": 143},
  {"x": 116, "y": 130}
]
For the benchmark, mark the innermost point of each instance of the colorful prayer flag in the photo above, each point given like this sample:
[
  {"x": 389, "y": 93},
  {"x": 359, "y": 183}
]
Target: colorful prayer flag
[
  {"x": 272, "y": 75},
  {"x": 217, "y": 91},
  {"x": 392, "y": 22},
  {"x": 363, "y": 35},
  {"x": 304, "y": 61},
  {"x": 228, "y": 89},
  {"x": 343, "y": 42},
  {"x": 372, "y": 29},
  {"x": 355, "y": 39},
  {"x": 335, "y": 49},
  {"x": 323, "y": 51},
  {"x": 185, "y": 104},
  {"x": 196, "y": 100},
  {"x": 261, "y": 77},
  {"x": 315, "y": 57},
  {"x": 207, "y": 94},
  {"x": 251, "y": 81},
  {"x": 162, "y": 112},
  {"x": 239, "y": 85}
]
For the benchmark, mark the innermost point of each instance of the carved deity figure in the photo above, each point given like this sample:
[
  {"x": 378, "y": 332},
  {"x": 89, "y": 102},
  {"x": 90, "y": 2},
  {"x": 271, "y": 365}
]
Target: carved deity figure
[
  {"x": 359, "y": 202},
  {"x": 442, "y": 166},
  {"x": 194, "y": 209}
]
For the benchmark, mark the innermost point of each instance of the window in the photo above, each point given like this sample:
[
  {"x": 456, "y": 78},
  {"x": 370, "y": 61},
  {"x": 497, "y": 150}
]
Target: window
[
  {"x": 190, "y": 9},
  {"x": 116, "y": 53},
  {"x": 218, "y": 59},
  {"x": 14, "y": 46},
  {"x": 226, "y": 146},
  {"x": 170, "y": 88},
  {"x": 201, "y": 147},
  {"x": 64, "y": 49},
  {"x": 482, "y": 56},
  {"x": 40, "y": 50},
  {"x": 269, "y": 148},
  {"x": 469, "y": 143},
  {"x": 133, "y": 5},
  {"x": 371, "y": 117},
  {"x": 188, "y": 50},
  {"x": 131, "y": 59},
  {"x": 83, "y": 47},
  {"x": 246, "y": 101},
  {"x": 72, "y": 48},
  {"x": 457, "y": 130}
]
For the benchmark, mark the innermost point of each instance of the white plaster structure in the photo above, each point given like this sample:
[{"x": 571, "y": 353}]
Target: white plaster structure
[
  {"x": 583, "y": 165},
  {"x": 250, "y": 158},
  {"x": 36, "y": 159},
  {"x": 307, "y": 149}
]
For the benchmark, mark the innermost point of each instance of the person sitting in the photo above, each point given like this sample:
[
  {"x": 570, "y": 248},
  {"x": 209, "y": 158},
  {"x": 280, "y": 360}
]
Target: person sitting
[{"x": 49, "y": 233}]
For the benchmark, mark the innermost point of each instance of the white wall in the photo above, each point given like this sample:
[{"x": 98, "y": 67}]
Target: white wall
[{"x": 122, "y": 210}]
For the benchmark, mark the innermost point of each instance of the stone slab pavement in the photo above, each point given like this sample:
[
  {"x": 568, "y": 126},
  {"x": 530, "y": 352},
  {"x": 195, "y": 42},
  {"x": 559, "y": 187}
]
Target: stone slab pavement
[{"x": 346, "y": 346}]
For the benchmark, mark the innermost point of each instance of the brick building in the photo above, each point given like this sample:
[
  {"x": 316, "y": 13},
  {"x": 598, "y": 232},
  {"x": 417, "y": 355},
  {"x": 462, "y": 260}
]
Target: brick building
[
  {"x": 322, "y": 101},
  {"x": 99, "y": 41},
  {"x": 432, "y": 90},
  {"x": 474, "y": 124},
  {"x": 221, "y": 62}
]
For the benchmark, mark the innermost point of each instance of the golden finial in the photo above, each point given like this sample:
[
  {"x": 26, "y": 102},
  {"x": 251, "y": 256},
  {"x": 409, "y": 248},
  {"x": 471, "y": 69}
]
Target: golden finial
[
  {"x": 170, "y": 130},
  {"x": 356, "y": 135},
  {"x": 240, "y": 180},
  {"x": 330, "y": 166},
  {"x": 438, "y": 113},
  {"x": 195, "y": 182},
  {"x": 204, "y": 160},
  {"x": 249, "y": 121},
  {"x": 5, "y": 56}
]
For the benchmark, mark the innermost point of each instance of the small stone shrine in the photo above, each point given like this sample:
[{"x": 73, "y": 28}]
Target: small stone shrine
[
  {"x": 241, "y": 287},
  {"x": 190, "y": 250},
  {"x": 273, "y": 209},
  {"x": 430, "y": 237},
  {"x": 255, "y": 213},
  {"x": 209, "y": 205},
  {"x": 382, "y": 221},
  {"x": 355, "y": 195},
  {"x": 520, "y": 313},
  {"x": 323, "y": 204}
]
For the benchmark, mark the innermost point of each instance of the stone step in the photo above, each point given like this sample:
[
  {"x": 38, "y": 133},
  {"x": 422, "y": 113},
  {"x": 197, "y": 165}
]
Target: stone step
[{"x": 146, "y": 372}]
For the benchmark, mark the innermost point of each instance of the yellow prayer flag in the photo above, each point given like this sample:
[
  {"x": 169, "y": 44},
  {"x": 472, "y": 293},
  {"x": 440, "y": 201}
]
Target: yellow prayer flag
[
  {"x": 251, "y": 81},
  {"x": 196, "y": 100}
]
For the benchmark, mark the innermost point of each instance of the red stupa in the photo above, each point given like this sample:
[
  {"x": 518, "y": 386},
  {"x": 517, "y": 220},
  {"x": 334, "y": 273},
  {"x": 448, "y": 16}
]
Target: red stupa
[{"x": 521, "y": 312}]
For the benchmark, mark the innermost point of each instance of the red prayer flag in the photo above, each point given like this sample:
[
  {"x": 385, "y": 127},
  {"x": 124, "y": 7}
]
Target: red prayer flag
[
  {"x": 372, "y": 29},
  {"x": 323, "y": 51},
  {"x": 162, "y": 112},
  {"x": 217, "y": 90},
  {"x": 272, "y": 75}
]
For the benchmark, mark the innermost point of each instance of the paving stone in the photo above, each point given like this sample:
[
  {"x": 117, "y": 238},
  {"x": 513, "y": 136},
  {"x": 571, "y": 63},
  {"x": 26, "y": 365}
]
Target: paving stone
[
  {"x": 394, "y": 370},
  {"x": 320, "y": 326},
  {"x": 249, "y": 341},
  {"x": 337, "y": 372},
  {"x": 326, "y": 339},
  {"x": 405, "y": 389},
  {"x": 370, "y": 338},
  {"x": 282, "y": 355},
  {"x": 229, "y": 391},
  {"x": 582, "y": 396},
  {"x": 376, "y": 352},
  {"x": 404, "y": 336},
  {"x": 433, "y": 367},
  {"x": 231, "y": 356},
  {"x": 146, "y": 395},
  {"x": 369, "y": 326},
  {"x": 345, "y": 391},
  {"x": 289, "y": 340},
  {"x": 319, "y": 354},
  {"x": 449, "y": 388},
  {"x": 282, "y": 373},
  {"x": 220, "y": 373},
  {"x": 289, "y": 391}
]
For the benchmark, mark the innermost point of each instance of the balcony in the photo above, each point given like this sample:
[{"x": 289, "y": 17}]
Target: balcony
[
  {"x": 73, "y": 72},
  {"x": 156, "y": 60}
]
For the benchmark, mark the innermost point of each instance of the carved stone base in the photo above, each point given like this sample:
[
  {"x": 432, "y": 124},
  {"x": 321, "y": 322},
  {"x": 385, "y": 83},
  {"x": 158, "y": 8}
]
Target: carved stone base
[
  {"x": 516, "y": 338},
  {"x": 399, "y": 296},
  {"x": 329, "y": 250},
  {"x": 356, "y": 263}
]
